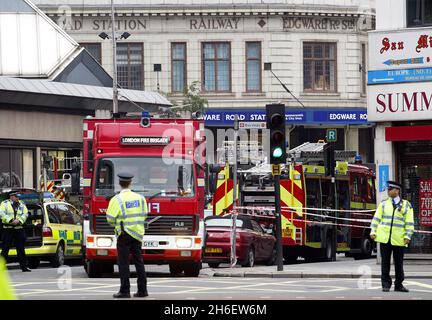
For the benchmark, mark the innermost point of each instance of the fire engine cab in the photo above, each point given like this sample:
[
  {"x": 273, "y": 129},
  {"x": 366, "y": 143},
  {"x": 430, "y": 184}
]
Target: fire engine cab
[{"x": 167, "y": 160}]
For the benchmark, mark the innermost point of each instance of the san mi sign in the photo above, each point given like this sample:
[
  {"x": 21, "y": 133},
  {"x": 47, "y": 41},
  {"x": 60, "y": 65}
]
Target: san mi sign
[{"x": 411, "y": 101}]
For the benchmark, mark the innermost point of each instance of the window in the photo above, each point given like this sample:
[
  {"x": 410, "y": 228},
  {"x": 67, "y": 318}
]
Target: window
[
  {"x": 363, "y": 68},
  {"x": 216, "y": 66},
  {"x": 11, "y": 168},
  {"x": 95, "y": 50},
  {"x": 178, "y": 67},
  {"x": 253, "y": 66},
  {"x": 53, "y": 214},
  {"x": 66, "y": 216},
  {"x": 419, "y": 13},
  {"x": 319, "y": 67},
  {"x": 130, "y": 65},
  {"x": 256, "y": 227}
]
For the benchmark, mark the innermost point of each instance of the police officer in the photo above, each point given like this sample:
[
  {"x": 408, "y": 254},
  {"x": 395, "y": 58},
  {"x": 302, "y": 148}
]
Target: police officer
[
  {"x": 393, "y": 227},
  {"x": 127, "y": 212},
  {"x": 14, "y": 213}
]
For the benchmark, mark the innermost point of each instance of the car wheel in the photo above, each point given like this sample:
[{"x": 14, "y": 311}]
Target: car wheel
[
  {"x": 192, "y": 269},
  {"x": 33, "y": 263},
  {"x": 175, "y": 268},
  {"x": 213, "y": 264},
  {"x": 272, "y": 260},
  {"x": 366, "y": 250},
  {"x": 250, "y": 258},
  {"x": 59, "y": 257}
]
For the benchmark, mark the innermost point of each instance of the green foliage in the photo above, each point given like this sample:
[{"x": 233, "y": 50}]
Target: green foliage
[{"x": 192, "y": 100}]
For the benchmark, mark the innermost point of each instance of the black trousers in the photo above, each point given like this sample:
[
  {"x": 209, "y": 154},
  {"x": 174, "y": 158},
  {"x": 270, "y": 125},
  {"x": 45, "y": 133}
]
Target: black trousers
[
  {"x": 398, "y": 256},
  {"x": 127, "y": 245},
  {"x": 17, "y": 237}
]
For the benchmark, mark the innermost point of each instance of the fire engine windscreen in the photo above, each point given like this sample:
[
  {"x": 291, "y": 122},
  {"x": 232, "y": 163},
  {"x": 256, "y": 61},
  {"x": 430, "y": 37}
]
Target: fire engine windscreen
[{"x": 152, "y": 176}]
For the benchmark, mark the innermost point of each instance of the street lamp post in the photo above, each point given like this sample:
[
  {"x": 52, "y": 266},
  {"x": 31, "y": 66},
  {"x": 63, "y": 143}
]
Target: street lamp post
[
  {"x": 114, "y": 39},
  {"x": 114, "y": 45}
]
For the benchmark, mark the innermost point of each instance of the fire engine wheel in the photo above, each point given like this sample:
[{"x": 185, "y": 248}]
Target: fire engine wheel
[
  {"x": 250, "y": 258},
  {"x": 33, "y": 263},
  {"x": 213, "y": 264},
  {"x": 329, "y": 250},
  {"x": 93, "y": 269},
  {"x": 192, "y": 269},
  {"x": 59, "y": 257},
  {"x": 175, "y": 268}
]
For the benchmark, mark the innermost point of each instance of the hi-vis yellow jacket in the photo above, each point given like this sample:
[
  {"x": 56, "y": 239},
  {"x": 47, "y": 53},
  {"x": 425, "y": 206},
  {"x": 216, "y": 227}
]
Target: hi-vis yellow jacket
[
  {"x": 6, "y": 291},
  {"x": 397, "y": 223},
  {"x": 128, "y": 209},
  {"x": 7, "y": 214}
]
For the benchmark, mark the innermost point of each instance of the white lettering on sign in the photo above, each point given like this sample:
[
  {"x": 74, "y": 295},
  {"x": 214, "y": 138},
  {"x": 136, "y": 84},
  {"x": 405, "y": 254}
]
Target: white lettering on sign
[
  {"x": 425, "y": 197},
  {"x": 343, "y": 116},
  {"x": 145, "y": 140},
  {"x": 212, "y": 117}
]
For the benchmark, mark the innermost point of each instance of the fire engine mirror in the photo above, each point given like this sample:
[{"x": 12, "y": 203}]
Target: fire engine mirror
[{"x": 214, "y": 168}]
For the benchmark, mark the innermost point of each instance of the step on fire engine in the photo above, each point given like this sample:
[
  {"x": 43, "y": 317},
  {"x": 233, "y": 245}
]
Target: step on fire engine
[
  {"x": 166, "y": 158},
  {"x": 317, "y": 214}
]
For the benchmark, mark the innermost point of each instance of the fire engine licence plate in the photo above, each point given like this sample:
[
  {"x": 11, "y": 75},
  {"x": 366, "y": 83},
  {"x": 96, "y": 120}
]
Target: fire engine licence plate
[
  {"x": 152, "y": 244},
  {"x": 213, "y": 250}
]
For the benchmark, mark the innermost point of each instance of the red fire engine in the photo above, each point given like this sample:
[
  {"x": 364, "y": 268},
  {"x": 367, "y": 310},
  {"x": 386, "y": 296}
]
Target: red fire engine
[
  {"x": 167, "y": 160},
  {"x": 312, "y": 225}
]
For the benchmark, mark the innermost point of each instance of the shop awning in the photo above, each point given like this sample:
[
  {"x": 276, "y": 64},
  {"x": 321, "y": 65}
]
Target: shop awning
[{"x": 408, "y": 133}]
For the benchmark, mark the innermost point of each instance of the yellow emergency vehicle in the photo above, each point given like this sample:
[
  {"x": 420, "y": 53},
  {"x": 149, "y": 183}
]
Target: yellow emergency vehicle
[{"x": 54, "y": 229}]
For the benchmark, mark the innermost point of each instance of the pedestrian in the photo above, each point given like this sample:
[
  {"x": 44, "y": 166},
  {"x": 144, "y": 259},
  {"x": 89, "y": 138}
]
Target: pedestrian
[
  {"x": 393, "y": 227},
  {"x": 127, "y": 212},
  {"x": 6, "y": 290},
  {"x": 14, "y": 214}
]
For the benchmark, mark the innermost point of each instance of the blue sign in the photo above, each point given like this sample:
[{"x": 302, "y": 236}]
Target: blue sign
[
  {"x": 399, "y": 76},
  {"x": 383, "y": 176},
  {"x": 225, "y": 117}
]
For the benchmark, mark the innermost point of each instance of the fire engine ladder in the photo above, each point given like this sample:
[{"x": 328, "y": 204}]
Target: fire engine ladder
[
  {"x": 311, "y": 152},
  {"x": 249, "y": 151}
]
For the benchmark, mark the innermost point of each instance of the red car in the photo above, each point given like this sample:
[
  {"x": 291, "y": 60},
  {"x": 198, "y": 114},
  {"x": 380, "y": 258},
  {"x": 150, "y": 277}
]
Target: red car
[{"x": 253, "y": 243}]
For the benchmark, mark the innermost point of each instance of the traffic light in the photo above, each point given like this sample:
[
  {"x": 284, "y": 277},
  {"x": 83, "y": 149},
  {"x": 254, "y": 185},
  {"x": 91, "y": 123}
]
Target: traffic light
[
  {"x": 275, "y": 117},
  {"x": 329, "y": 159}
]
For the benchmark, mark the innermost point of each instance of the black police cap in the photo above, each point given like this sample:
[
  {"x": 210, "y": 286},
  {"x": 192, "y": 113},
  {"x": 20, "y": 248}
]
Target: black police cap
[
  {"x": 394, "y": 184},
  {"x": 125, "y": 176}
]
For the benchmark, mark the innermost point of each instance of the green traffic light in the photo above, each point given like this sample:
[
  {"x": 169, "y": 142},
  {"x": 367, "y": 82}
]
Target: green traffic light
[{"x": 277, "y": 152}]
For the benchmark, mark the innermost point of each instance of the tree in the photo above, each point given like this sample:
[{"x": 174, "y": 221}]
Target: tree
[{"x": 192, "y": 101}]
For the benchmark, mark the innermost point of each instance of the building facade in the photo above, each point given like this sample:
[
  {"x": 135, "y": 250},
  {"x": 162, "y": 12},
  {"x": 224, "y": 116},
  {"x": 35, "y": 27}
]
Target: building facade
[
  {"x": 399, "y": 98},
  {"x": 48, "y": 84},
  {"x": 317, "y": 49}
]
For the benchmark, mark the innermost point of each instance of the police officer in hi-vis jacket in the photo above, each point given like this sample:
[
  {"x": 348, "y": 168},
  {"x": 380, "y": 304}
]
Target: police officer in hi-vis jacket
[
  {"x": 127, "y": 212},
  {"x": 393, "y": 227}
]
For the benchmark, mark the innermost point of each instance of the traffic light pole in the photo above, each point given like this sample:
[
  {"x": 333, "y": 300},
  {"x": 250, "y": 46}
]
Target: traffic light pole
[
  {"x": 234, "y": 214},
  {"x": 278, "y": 223}
]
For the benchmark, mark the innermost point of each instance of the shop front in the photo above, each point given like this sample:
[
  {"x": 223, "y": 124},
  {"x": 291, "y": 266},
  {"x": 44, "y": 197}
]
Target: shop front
[
  {"x": 353, "y": 131},
  {"x": 413, "y": 148}
]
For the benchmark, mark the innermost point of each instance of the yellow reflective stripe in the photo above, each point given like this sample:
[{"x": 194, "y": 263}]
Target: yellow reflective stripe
[{"x": 356, "y": 205}]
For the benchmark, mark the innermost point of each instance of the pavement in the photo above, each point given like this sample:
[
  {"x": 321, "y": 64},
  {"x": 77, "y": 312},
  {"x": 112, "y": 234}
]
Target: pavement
[{"x": 341, "y": 268}]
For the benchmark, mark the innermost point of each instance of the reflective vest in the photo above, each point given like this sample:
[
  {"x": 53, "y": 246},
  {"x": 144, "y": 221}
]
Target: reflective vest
[
  {"x": 395, "y": 222},
  {"x": 127, "y": 212},
  {"x": 6, "y": 291},
  {"x": 7, "y": 214}
]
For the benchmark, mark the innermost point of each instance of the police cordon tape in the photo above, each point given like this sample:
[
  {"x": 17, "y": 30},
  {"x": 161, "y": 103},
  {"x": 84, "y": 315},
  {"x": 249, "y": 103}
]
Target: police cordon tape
[{"x": 291, "y": 210}]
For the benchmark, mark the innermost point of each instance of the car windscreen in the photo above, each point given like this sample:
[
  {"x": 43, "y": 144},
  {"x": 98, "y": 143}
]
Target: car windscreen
[
  {"x": 223, "y": 223},
  {"x": 153, "y": 176}
]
